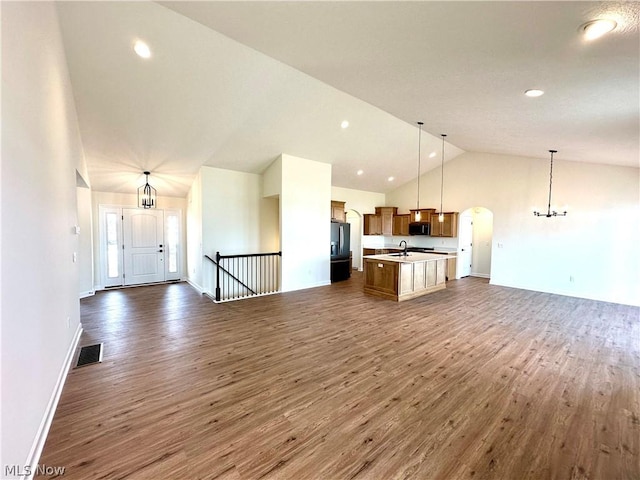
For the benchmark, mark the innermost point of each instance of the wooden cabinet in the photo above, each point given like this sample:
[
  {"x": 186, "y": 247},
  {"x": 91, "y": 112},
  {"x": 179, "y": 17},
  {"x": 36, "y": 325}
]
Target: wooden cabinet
[
  {"x": 386, "y": 221},
  {"x": 372, "y": 224},
  {"x": 425, "y": 214},
  {"x": 451, "y": 268},
  {"x": 403, "y": 280},
  {"x": 337, "y": 211},
  {"x": 401, "y": 224},
  {"x": 381, "y": 277},
  {"x": 447, "y": 228},
  {"x": 386, "y": 218},
  {"x": 451, "y": 264}
]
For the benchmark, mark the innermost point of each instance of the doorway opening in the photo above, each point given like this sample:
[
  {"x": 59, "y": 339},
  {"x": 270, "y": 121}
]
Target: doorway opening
[
  {"x": 139, "y": 246},
  {"x": 475, "y": 235}
]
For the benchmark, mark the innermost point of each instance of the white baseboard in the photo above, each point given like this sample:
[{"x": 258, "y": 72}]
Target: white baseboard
[
  {"x": 480, "y": 275},
  {"x": 45, "y": 424},
  {"x": 196, "y": 286},
  {"x": 305, "y": 287},
  {"x": 89, "y": 293}
]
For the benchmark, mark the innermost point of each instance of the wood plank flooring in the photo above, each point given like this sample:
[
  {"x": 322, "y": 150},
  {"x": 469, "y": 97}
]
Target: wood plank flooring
[{"x": 472, "y": 382}]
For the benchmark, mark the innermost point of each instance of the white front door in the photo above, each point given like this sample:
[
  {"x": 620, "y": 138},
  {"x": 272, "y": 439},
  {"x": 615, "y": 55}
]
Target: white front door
[
  {"x": 465, "y": 235},
  {"x": 143, "y": 246}
]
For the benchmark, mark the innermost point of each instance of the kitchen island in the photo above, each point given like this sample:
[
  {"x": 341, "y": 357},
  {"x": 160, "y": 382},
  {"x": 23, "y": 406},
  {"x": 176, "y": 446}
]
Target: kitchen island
[{"x": 402, "y": 277}]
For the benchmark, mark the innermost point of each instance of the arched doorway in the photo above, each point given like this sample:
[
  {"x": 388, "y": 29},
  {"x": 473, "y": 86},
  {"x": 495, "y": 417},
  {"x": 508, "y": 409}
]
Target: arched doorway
[{"x": 475, "y": 241}]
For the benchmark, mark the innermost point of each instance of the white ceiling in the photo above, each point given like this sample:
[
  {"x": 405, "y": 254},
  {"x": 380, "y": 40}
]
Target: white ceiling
[{"x": 208, "y": 97}]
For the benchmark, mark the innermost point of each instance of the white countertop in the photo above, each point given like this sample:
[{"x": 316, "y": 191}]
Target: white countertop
[{"x": 412, "y": 257}]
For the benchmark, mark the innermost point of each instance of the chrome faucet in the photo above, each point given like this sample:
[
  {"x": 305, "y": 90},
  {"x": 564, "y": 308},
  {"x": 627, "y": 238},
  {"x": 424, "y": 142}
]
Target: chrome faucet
[{"x": 405, "y": 247}]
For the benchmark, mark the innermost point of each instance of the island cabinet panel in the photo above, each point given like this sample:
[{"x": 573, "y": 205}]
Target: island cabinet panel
[
  {"x": 441, "y": 271},
  {"x": 406, "y": 278},
  {"x": 420, "y": 275},
  {"x": 451, "y": 268},
  {"x": 381, "y": 277},
  {"x": 401, "y": 279},
  {"x": 431, "y": 274}
]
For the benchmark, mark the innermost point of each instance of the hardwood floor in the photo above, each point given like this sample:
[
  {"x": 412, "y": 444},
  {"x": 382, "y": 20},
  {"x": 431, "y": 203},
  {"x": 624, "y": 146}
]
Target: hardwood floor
[{"x": 472, "y": 382}]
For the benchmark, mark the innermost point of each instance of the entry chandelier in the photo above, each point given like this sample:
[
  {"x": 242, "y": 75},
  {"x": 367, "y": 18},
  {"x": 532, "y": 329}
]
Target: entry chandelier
[
  {"x": 550, "y": 213},
  {"x": 146, "y": 194},
  {"x": 441, "y": 215},
  {"x": 417, "y": 216}
]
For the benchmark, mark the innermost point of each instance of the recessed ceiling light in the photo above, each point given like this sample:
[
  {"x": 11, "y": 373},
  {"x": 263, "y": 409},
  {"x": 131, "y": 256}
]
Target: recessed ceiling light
[
  {"x": 142, "y": 49},
  {"x": 360, "y": 172},
  {"x": 534, "y": 93},
  {"x": 344, "y": 124},
  {"x": 432, "y": 154},
  {"x": 597, "y": 28},
  {"x": 391, "y": 179}
]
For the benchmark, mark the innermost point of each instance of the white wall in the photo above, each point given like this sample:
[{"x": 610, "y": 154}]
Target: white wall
[
  {"x": 41, "y": 151},
  {"x": 359, "y": 200},
  {"x": 227, "y": 213},
  {"x": 85, "y": 239},
  {"x": 596, "y": 244},
  {"x": 194, "y": 233},
  {"x": 128, "y": 200},
  {"x": 305, "y": 228}
]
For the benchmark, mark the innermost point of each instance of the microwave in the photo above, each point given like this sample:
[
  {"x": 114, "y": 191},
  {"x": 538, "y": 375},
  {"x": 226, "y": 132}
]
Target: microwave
[{"x": 419, "y": 228}]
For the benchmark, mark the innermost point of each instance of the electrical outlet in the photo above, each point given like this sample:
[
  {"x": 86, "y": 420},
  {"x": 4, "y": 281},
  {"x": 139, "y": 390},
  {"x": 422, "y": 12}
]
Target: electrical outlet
[
  {"x": 75, "y": 257},
  {"x": 500, "y": 245},
  {"x": 571, "y": 278}
]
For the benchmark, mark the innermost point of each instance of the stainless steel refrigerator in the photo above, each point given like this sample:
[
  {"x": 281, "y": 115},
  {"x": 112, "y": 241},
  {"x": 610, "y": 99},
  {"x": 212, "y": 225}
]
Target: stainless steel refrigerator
[{"x": 340, "y": 253}]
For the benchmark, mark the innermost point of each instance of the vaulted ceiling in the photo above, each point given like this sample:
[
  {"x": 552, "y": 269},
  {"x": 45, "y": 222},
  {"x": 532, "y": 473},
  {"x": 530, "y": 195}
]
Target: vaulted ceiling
[{"x": 234, "y": 84}]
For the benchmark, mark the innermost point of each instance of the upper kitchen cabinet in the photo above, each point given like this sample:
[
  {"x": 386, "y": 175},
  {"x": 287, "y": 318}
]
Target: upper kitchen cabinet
[
  {"x": 337, "y": 211},
  {"x": 386, "y": 218},
  {"x": 372, "y": 224},
  {"x": 448, "y": 228},
  {"x": 425, "y": 215},
  {"x": 401, "y": 225}
]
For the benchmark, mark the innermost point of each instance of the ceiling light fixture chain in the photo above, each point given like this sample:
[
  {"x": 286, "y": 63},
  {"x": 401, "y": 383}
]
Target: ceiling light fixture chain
[
  {"x": 441, "y": 215},
  {"x": 549, "y": 212},
  {"x": 418, "y": 216}
]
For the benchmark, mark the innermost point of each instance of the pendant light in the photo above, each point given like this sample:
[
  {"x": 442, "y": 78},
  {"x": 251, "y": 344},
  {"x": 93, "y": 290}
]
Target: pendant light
[
  {"x": 417, "y": 216},
  {"x": 146, "y": 194},
  {"x": 549, "y": 212},
  {"x": 441, "y": 215}
]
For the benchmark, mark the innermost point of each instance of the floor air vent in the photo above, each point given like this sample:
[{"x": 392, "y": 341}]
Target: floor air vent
[{"x": 89, "y": 354}]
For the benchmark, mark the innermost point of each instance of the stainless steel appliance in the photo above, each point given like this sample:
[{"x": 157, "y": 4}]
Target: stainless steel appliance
[
  {"x": 340, "y": 253},
  {"x": 419, "y": 228}
]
